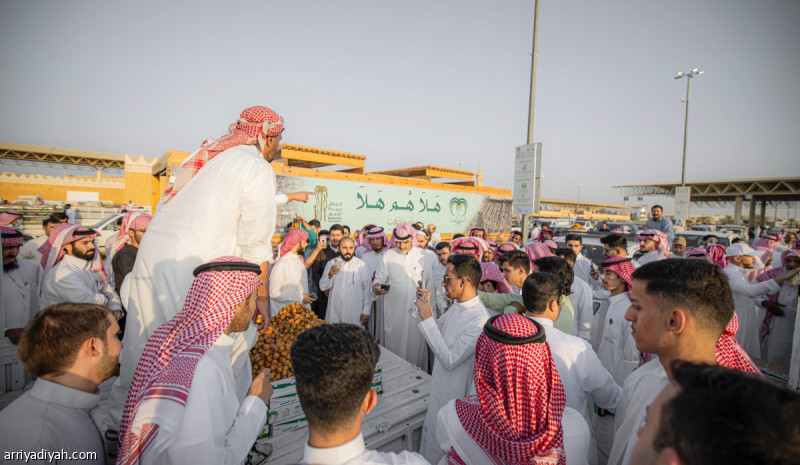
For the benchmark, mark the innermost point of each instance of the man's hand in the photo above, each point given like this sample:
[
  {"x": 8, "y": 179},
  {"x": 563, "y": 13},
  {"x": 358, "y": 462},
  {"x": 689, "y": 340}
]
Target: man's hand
[
  {"x": 773, "y": 307},
  {"x": 262, "y": 308},
  {"x": 14, "y": 334},
  {"x": 769, "y": 260},
  {"x": 299, "y": 196},
  {"x": 376, "y": 289},
  {"x": 364, "y": 320},
  {"x": 307, "y": 299},
  {"x": 260, "y": 386},
  {"x": 786, "y": 275},
  {"x": 333, "y": 272},
  {"x": 594, "y": 274},
  {"x": 520, "y": 309},
  {"x": 424, "y": 303}
]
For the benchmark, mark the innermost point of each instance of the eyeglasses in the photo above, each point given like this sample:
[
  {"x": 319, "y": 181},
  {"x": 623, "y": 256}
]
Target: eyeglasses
[{"x": 451, "y": 277}]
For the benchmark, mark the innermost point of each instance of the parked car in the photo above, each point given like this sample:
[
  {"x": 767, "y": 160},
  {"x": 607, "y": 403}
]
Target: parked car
[
  {"x": 593, "y": 248},
  {"x": 625, "y": 226},
  {"x": 694, "y": 239}
]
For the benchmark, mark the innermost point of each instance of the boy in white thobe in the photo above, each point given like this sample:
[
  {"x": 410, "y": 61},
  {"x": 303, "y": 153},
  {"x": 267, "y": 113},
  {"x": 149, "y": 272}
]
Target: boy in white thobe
[
  {"x": 452, "y": 339},
  {"x": 349, "y": 281},
  {"x": 403, "y": 268},
  {"x": 182, "y": 407},
  {"x": 55, "y": 414},
  {"x": 288, "y": 280}
]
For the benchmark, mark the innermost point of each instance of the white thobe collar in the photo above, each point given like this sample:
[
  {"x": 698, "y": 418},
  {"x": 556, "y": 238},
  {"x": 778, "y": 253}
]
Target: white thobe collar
[
  {"x": 616, "y": 298},
  {"x": 545, "y": 322},
  {"x": 738, "y": 269},
  {"x": 76, "y": 262},
  {"x": 650, "y": 256},
  {"x": 334, "y": 455},
  {"x": 473, "y": 302},
  {"x": 55, "y": 393}
]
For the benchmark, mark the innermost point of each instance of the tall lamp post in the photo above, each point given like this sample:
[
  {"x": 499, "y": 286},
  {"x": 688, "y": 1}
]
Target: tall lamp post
[{"x": 694, "y": 72}]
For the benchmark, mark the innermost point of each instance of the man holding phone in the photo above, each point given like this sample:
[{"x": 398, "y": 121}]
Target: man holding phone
[
  {"x": 328, "y": 253},
  {"x": 348, "y": 280}
]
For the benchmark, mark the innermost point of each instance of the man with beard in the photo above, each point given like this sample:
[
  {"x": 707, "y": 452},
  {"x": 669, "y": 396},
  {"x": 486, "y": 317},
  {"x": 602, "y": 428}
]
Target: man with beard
[
  {"x": 288, "y": 281},
  {"x": 20, "y": 285},
  {"x": 30, "y": 250},
  {"x": 347, "y": 280},
  {"x": 778, "y": 326},
  {"x": 327, "y": 254},
  {"x": 404, "y": 269},
  {"x": 654, "y": 246},
  {"x": 378, "y": 240},
  {"x": 73, "y": 271},
  {"x": 659, "y": 223},
  {"x": 71, "y": 348},
  {"x": 742, "y": 259}
]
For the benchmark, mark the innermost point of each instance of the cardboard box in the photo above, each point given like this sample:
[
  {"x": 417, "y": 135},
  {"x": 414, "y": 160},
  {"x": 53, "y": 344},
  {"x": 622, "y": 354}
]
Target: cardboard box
[
  {"x": 283, "y": 413},
  {"x": 279, "y": 400}
]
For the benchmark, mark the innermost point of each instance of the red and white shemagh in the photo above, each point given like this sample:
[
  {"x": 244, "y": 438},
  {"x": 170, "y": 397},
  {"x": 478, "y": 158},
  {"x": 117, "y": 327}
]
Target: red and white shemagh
[
  {"x": 516, "y": 415},
  {"x": 490, "y": 272},
  {"x": 771, "y": 274},
  {"x": 9, "y": 216},
  {"x": 376, "y": 231},
  {"x": 541, "y": 234},
  {"x": 135, "y": 220},
  {"x": 468, "y": 245},
  {"x": 478, "y": 232},
  {"x": 767, "y": 245},
  {"x": 360, "y": 242},
  {"x": 716, "y": 255},
  {"x": 160, "y": 387},
  {"x": 503, "y": 249},
  {"x": 404, "y": 232},
  {"x": 53, "y": 250},
  {"x": 492, "y": 245},
  {"x": 700, "y": 253},
  {"x": 10, "y": 236},
  {"x": 730, "y": 354},
  {"x": 622, "y": 266},
  {"x": 293, "y": 237},
  {"x": 662, "y": 240},
  {"x": 255, "y": 124},
  {"x": 536, "y": 251}
]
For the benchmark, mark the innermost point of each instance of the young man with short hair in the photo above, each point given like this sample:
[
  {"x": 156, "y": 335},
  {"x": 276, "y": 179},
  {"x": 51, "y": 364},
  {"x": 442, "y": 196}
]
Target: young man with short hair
[
  {"x": 578, "y": 365},
  {"x": 515, "y": 266},
  {"x": 681, "y": 310},
  {"x": 516, "y": 237},
  {"x": 709, "y": 239},
  {"x": 30, "y": 250},
  {"x": 698, "y": 418},
  {"x": 71, "y": 348},
  {"x": 451, "y": 338},
  {"x": 442, "y": 254},
  {"x": 580, "y": 298},
  {"x": 583, "y": 266},
  {"x": 334, "y": 365},
  {"x": 560, "y": 268}
]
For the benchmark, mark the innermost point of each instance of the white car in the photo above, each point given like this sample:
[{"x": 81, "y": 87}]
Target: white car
[{"x": 107, "y": 228}]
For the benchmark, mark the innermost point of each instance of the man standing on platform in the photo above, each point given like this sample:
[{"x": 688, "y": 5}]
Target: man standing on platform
[
  {"x": 660, "y": 223},
  {"x": 220, "y": 202},
  {"x": 347, "y": 280},
  {"x": 405, "y": 268}
]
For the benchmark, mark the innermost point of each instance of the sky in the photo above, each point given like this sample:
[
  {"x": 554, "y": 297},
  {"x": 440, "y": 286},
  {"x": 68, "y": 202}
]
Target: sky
[{"x": 419, "y": 82}]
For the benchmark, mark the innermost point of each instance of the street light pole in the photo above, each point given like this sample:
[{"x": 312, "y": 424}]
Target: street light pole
[
  {"x": 579, "y": 192},
  {"x": 531, "y": 104},
  {"x": 688, "y": 76}
]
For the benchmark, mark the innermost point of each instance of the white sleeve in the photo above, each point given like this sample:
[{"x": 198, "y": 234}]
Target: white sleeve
[
  {"x": 382, "y": 273},
  {"x": 257, "y": 216},
  {"x": 211, "y": 440},
  {"x": 366, "y": 284},
  {"x": 281, "y": 199},
  {"x": 462, "y": 349},
  {"x": 71, "y": 287},
  {"x": 598, "y": 382},
  {"x": 583, "y": 321},
  {"x": 326, "y": 283},
  {"x": 741, "y": 286},
  {"x": 630, "y": 354}
]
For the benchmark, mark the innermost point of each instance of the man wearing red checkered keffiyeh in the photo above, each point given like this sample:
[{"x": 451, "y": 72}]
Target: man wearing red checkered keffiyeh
[
  {"x": 182, "y": 405},
  {"x": 777, "y": 328},
  {"x": 468, "y": 245},
  {"x": 116, "y": 243},
  {"x": 73, "y": 270},
  {"x": 21, "y": 278},
  {"x": 518, "y": 415},
  {"x": 653, "y": 244},
  {"x": 491, "y": 273},
  {"x": 682, "y": 310}
]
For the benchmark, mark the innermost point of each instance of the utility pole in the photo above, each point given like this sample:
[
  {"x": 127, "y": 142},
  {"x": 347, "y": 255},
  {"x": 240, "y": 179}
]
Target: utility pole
[{"x": 531, "y": 104}]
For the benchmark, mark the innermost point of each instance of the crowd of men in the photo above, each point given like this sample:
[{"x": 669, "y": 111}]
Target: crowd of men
[{"x": 536, "y": 355}]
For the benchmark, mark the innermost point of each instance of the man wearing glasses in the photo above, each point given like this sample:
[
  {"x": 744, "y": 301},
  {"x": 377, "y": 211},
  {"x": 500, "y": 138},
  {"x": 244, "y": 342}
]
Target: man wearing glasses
[{"x": 452, "y": 339}]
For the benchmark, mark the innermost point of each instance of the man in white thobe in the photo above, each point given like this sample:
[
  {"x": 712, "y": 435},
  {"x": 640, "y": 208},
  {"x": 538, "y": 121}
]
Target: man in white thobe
[
  {"x": 442, "y": 301},
  {"x": 202, "y": 420},
  {"x": 451, "y": 338},
  {"x": 745, "y": 293},
  {"x": 378, "y": 242},
  {"x": 405, "y": 268},
  {"x": 72, "y": 277},
  {"x": 653, "y": 245},
  {"x": 781, "y": 309},
  {"x": 288, "y": 280},
  {"x": 582, "y": 266},
  {"x": 436, "y": 238},
  {"x": 21, "y": 280},
  {"x": 221, "y": 201},
  {"x": 349, "y": 282},
  {"x": 693, "y": 323},
  {"x": 580, "y": 298},
  {"x": 578, "y": 366},
  {"x": 55, "y": 414}
]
